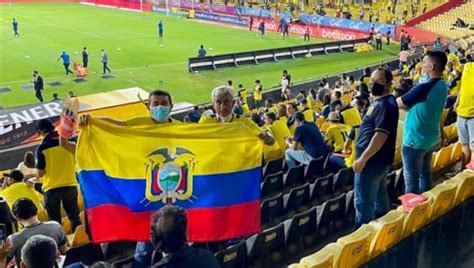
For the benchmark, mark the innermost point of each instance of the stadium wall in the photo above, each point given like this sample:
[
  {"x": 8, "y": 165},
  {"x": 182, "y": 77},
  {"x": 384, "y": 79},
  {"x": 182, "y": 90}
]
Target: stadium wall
[
  {"x": 38, "y": 1},
  {"x": 435, "y": 11},
  {"x": 130, "y": 5}
]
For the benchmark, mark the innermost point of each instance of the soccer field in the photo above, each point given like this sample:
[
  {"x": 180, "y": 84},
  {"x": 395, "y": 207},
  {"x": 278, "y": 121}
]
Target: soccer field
[{"x": 137, "y": 57}]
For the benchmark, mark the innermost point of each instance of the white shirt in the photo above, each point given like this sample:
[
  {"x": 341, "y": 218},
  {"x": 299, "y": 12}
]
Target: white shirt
[
  {"x": 27, "y": 172},
  {"x": 284, "y": 84}
]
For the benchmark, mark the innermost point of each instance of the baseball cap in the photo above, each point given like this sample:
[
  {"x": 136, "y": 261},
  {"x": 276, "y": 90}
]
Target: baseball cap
[{"x": 333, "y": 116}]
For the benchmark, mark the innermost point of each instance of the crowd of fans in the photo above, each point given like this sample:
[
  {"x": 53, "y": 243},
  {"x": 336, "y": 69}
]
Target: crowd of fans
[{"x": 353, "y": 123}]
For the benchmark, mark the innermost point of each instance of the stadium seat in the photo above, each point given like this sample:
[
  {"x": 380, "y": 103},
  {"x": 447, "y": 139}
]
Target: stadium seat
[
  {"x": 80, "y": 236},
  {"x": 272, "y": 209},
  {"x": 350, "y": 209},
  {"x": 443, "y": 197},
  {"x": 331, "y": 215},
  {"x": 234, "y": 256},
  {"x": 385, "y": 232},
  {"x": 442, "y": 158},
  {"x": 315, "y": 169},
  {"x": 66, "y": 225},
  {"x": 273, "y": 167},
  {"x": 297, "y": 199},
  {"x": 319, "y": 121},
  {"x": 88, "y": 254},
  {"x": 416, "y": 218},
  {"x": 343, "y": 180},
  {"x": 352, "y": 250},
  {"x": 464, "y": 182},
  {"x": 294, "y": 176},
  {"x": 272, "y": 184},
  {"x": 43, "y": 215},
  {"x": 300, "y": 231},
  {"x": 391, "y": 182},
  {"x": 264, "y": 249},
  {"x": 324, "y": 258},
  {"x": 457, "y": 154},
  {"x": 321, "y": 189}
]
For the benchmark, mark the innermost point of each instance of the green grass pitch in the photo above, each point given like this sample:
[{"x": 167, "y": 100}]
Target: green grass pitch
[{"x": 137, "y": 57}]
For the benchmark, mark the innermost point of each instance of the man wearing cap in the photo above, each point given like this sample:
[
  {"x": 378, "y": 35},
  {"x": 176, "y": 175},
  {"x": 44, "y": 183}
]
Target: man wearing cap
[
  {"x": 310, "y": 138},
  {"x": 336, "y": 134},
  {"x": 14, "y": 188},
  {"x": 56, "y": 170},
  {"x": 223, "y": 102}
]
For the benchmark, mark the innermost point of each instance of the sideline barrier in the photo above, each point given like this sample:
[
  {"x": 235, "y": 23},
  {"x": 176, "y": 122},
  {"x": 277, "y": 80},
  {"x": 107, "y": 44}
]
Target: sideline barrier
[{"x": 274, "y": 55}]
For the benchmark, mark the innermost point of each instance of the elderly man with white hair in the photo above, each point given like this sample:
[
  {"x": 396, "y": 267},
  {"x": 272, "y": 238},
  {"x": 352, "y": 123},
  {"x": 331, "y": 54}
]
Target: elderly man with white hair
[{"x": 223, "y": 102}]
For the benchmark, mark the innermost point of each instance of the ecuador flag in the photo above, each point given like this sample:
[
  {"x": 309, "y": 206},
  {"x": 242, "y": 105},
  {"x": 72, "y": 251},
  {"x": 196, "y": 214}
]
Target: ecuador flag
[{"x": 128, "y": 173}]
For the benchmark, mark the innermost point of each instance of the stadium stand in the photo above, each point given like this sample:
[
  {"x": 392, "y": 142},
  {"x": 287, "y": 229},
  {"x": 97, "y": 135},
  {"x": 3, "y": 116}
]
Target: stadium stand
[{"x": 444, "y": 24}]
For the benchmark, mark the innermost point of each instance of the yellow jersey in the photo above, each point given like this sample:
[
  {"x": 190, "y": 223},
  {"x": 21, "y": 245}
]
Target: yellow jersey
[
  {"x": 258, "y": 93},
  {"x": 21, "y": 190},
  {"x": 243, "y": 93},
  {"x": 351, "y": 117},
  {"x": 308, "y": 115},
  {"x": 353, "y": 135},
  {"x": 466, "y": 100},
  {"x": 336, "y": 136},
  {"x": 57, "y": 162}
]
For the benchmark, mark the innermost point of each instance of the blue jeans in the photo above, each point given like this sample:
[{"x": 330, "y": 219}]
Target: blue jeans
[
  {"x": 337, "y": 163},
  {"x": 370, "y": 193},
  {"x": 294, "y": 156},
  {"x": 417, "y": 169}
]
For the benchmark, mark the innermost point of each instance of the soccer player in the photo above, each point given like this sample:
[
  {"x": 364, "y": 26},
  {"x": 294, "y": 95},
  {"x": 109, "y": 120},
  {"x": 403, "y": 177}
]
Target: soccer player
[
  {"x": 160, "y": 29},
  {"x": 251, "y": 23},
  {"x": 261, "y": 28},
  {"x": 286, "y": 29},
  {"x": 66, "y": 62},
  {"x": 104, "y": 58},
  {"x": 85, "y": 57},
  {"x": 15, "y": 27}
]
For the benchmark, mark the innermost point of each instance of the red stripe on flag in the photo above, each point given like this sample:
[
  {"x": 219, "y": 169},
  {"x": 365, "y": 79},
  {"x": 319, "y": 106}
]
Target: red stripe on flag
[{"x": 108, "y": 223}]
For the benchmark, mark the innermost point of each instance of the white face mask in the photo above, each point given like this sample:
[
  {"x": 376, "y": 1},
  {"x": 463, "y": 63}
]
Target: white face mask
[{"x": 226, "y": 119}]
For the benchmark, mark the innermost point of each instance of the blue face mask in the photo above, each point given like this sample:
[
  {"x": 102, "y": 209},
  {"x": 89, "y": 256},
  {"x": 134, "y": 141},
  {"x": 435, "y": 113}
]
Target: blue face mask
[
  {"x": 160, "y": 113},
  {"x": 424, "y": 78}
]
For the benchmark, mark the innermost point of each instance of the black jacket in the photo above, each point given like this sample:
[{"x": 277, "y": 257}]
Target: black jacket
[
  {"x": 188, "y": 257},
  {"x": 38, "y": 82}
]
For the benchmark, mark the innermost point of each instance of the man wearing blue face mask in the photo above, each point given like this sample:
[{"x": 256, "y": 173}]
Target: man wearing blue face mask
[
  {"x": 160, "y": 104},
  {"x": 375, "y": 150},
  {"x": 423, "y": 127}
]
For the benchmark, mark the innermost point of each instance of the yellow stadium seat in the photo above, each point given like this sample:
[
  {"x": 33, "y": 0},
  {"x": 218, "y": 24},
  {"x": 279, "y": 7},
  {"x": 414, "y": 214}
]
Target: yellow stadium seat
[
  {"x": 386, "y": 232},
  {"x": 80, "y": 236},
  {"x": 66, "y": 225},
  {"x": 465, "y": 185},
  {"x": 442, "y": 158},
  {"x": 416, "y": 218},
  {"x": 43, "y": 215},
  {"x": 443, "y": 196},
  {"x": 354, "y": 249},
  {"x": 320, "y": 121},
  {"x": 324, "y": 258},
  {"x": 457, "y": 154},
  {"x": 82, "y": 217},
  {"x": 324, "y": 127}
]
